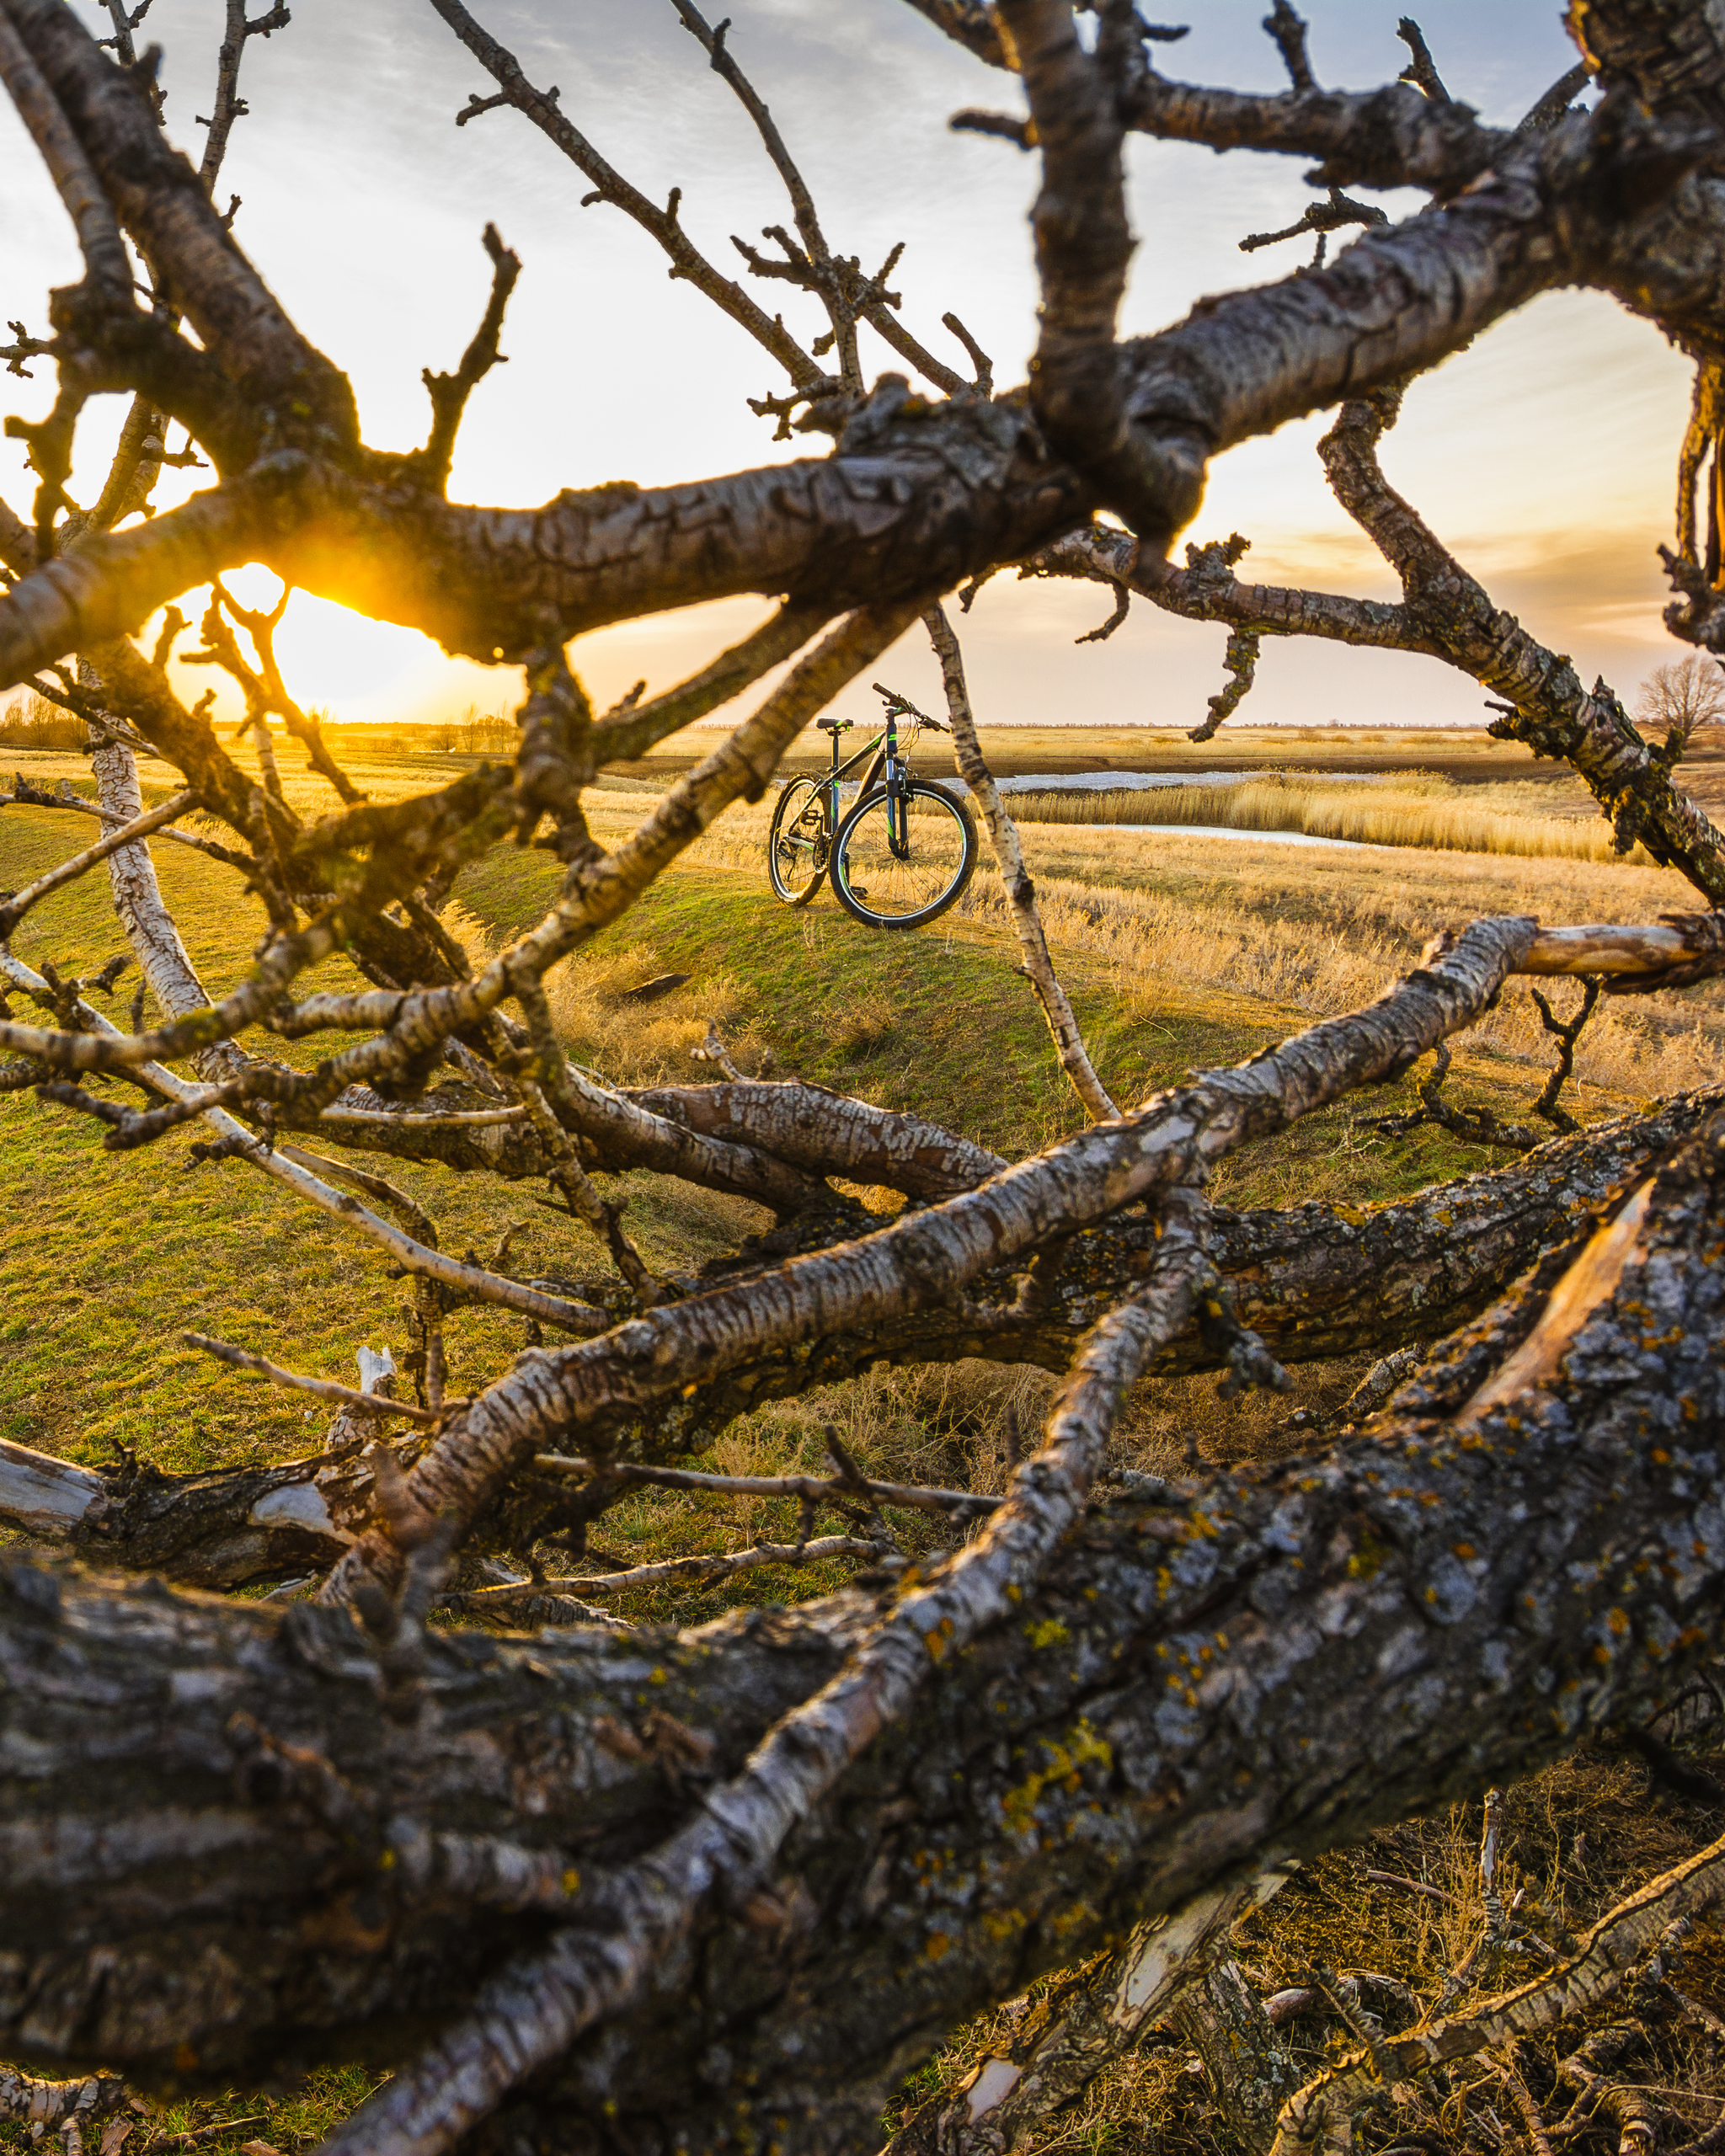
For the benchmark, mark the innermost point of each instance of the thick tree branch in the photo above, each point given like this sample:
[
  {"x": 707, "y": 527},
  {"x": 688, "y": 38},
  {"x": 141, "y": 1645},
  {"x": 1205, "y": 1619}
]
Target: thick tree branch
[
  {"x": 920, "y": 496},
  {"x": 1327, "y": 1593},
  {"x": 1173, "y": 1138}
]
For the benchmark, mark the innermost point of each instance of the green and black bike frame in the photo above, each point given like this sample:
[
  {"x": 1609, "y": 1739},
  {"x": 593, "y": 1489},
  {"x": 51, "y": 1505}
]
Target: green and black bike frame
[{"x": 884, "y": 751}]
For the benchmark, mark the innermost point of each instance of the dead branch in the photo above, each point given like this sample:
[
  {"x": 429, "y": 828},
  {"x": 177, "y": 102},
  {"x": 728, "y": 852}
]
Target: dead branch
[
  {"x": 1083, "y": 244},
  {"x": 1323, "y": 218},
  {"x": 1422, "y": 69},
  {"x": 14, "y": 909},
  {"x": 1324, "y": 2109},
  {"x": 409, "y": 1120},
  {"x": 1222, "y": 1618},
  {"x": 1476, "y": 1126},
  {"x": 1566, "y": 1032},
  {"x": 807, "y": 1489},
  {"x": 343, "y": 1395},
  {"x": 1021, "y": 893},
  {"x": 1287, "y": 29},
  {"x": 1170, "y": 1140},
  {"x": 582, "y": 1979},
  {"x": 1316, "y": 1283},
  {"x": 1240, "y": 660},
  {"x": 1445, "y": 614},
  {"x": 1078, "y": 2029},
  {"x": 449, "y": 392},
  {"x": 58, "y": 2104},
  {"x": 1032, "y": 1705},
  {"x": 1489, "y": 253},
  {"x": 663, "y": 225},
  {"x": 707, "y": 1571}
]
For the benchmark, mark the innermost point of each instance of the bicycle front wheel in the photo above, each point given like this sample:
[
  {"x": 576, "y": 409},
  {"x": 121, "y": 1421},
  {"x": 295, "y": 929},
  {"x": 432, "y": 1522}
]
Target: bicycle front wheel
[
  {"x": 798, "y": 844},
  {"x": 897, "y": 864}
]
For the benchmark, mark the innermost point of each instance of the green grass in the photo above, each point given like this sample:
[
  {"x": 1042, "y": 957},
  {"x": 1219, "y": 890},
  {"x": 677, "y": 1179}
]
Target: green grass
[
  {"x": 936, "y": 1024},
  {"x": 109, "y": 1256},
  {"x": 105, "y": 1258}
]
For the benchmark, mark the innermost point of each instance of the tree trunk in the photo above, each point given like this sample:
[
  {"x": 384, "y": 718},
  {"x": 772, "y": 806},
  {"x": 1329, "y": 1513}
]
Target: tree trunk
[{"x": 266, "y": 1868}]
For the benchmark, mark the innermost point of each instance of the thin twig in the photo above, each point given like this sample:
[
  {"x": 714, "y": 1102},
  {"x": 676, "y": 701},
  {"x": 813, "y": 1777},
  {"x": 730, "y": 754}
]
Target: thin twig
[
  {"x": 709, "y": 1569},
  {"x": 1414, "y": 1885},
  {"x": 14, "y": 909},
  {"x": 343, "y": 1395},
  {"x": 1021, "y": 892},
  {"x": 808, "y": 1488}
]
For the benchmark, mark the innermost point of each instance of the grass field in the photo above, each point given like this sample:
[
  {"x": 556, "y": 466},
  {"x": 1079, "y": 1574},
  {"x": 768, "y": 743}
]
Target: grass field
[{"x": 1178, "y": 953}]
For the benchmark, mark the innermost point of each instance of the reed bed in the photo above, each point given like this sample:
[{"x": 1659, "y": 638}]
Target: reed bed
[{"x": 1423, "y": 812}]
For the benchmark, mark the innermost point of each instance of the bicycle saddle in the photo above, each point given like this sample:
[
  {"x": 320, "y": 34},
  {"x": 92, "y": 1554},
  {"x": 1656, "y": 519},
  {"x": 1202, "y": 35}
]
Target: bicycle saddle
[{"x": 834, "y": 726}]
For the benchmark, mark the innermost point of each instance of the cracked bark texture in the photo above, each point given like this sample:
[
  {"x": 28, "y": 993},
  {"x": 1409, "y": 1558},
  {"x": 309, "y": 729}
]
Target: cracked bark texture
[
  {"x": 722, "y": 1889},
  {"x": 1262, "y": 1664}
]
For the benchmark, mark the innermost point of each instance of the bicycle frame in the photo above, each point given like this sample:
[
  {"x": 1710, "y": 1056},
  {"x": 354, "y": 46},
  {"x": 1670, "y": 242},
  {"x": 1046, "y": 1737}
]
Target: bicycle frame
[{"x": 884, "y": 749}]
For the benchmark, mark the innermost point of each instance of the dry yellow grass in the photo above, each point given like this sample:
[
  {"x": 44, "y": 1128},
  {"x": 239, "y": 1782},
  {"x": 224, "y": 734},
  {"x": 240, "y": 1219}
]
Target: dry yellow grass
[
  {"x": 1578, "y": 1839},
  {"x": 1317, "y": 931},
  {"x": 1322, "y": 932},
  {"x": 1419, "y": 811}
]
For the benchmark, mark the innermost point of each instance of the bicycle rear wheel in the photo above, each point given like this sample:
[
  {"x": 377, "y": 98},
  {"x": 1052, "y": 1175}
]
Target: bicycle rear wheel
[
  {"x": 893, "y": 869},
  {"x": 799, "y": 845}
]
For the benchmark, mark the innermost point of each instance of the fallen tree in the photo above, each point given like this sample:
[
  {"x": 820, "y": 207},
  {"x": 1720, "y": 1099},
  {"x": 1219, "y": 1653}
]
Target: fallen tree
[{"x": 728, "y": 1887}]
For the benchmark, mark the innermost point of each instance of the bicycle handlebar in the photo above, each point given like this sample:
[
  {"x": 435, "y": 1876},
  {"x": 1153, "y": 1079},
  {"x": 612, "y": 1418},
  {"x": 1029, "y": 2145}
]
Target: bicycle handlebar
[{"x": 898, "y": 706}]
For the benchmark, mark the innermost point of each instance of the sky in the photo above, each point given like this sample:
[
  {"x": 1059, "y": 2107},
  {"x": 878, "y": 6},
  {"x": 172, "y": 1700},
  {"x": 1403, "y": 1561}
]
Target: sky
[{"x": 1544, "y": 456}]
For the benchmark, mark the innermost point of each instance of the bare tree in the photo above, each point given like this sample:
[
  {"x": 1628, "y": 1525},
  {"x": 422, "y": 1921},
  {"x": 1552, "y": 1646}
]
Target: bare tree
[
  {"x": 1681, "y": 698},
  {"x": 726, "y": 1887}
]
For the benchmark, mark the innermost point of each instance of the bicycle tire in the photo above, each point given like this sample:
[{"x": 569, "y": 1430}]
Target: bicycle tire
[
  {"x": 786, "y": 845},
  {"x": 864, "y": 865}
]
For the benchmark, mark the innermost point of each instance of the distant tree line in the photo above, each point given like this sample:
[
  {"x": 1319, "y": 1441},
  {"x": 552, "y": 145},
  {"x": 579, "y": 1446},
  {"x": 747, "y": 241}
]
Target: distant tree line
[{"x": 31, "y": 721}]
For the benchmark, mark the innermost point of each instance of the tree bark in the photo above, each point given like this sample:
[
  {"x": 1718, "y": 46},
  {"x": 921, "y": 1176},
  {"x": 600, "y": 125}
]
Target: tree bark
[
  {"x": 1316, "y": 1283},
  {"x": 1536, "y": 1521},
  {"x": 1249, "y": 2072},
  {"x": 223, "y": 1529}
]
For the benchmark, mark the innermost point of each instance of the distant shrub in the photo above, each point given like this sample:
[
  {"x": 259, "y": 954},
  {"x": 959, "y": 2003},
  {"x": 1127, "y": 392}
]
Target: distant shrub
[
  {"x": 475, "y": 733},
  {"x": 31, "y": 721}
]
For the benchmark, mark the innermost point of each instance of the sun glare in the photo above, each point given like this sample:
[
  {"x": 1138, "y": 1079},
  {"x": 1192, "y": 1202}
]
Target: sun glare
[{"x": 343, "y": 663}]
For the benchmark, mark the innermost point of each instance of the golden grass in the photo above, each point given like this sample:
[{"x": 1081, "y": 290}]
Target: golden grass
[
  {"x": 1420, "y": 811},
  {"x": 631, "y": 1043},
  {"x": 1322, "y": 933}
]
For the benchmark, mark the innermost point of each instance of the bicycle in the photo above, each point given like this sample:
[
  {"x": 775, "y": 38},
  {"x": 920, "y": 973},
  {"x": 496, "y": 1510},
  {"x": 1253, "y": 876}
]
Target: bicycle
[{"x": 904, "y": 852}]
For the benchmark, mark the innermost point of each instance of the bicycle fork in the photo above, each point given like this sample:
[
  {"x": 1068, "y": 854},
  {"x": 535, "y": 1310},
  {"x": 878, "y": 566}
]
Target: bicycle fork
[{"x": 898, "y": 811}]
